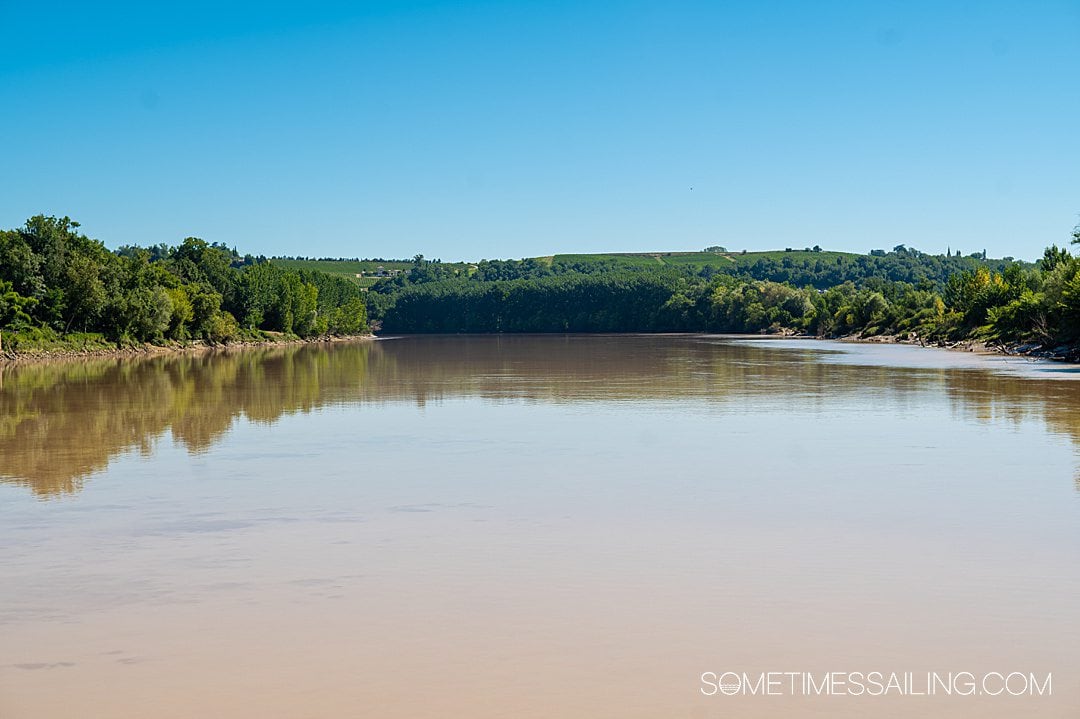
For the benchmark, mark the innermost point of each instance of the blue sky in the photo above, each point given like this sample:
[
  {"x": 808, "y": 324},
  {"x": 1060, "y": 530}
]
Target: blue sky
[{"x": 475, "y": 130}]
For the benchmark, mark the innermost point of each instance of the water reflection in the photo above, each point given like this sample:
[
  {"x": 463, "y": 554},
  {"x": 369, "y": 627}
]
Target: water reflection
[{"x": 61, "y": 423}]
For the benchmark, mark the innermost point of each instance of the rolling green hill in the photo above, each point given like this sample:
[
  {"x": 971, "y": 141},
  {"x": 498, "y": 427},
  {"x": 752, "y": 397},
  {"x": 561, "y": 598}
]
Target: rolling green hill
[
  {"x": 801, "y": 267},
  {"x": 362, "y": 272},
  {"x": 719, "y": 260}
]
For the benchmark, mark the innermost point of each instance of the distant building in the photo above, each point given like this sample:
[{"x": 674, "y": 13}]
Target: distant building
[{"x": 381, "y": 271}]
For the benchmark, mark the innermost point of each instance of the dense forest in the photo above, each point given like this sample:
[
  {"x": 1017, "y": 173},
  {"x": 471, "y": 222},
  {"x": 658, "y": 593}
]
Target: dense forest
[
  {"x": 58, "y": 287},
  {"x": 902, "y": 264},
  {"x": 937, "y": 298}
]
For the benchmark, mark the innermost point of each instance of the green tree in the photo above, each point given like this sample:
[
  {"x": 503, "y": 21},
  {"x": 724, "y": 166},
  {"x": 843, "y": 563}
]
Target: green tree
[
  {"x": 15, "y": 309},
  {"x": 183, "y": 312},
  {"x": 1053, "y": 256},
  {"x": 85, "y": 296}
]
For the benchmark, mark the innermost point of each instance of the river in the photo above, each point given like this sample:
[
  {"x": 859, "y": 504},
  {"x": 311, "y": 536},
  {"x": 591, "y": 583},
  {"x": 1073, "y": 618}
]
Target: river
[{"x": 539, "y": 526}]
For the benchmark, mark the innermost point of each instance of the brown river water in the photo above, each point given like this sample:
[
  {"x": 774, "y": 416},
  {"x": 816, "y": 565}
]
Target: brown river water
[{"x": 539, "y": 526}]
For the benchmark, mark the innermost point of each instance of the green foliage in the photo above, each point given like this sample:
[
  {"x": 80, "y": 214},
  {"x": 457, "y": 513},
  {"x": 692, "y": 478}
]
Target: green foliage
[
  {"x": 29, "y": 339},
  {"x": 813, "y": 266},
  {"x": 945, "y": 297},
  {"x": 20, "y": 266},
  {"x": 1062, "y": 290},
  {"x": 1021, "y": 319},
  {"x": 973, "y": 293},
  {"x": 564, "y": 303},
  {"x": 183, "y": 312},
  {"x": 54, "y": 279},
  {"x": 758, "y": 306},
  {"x": 223, "y": 327},
  {"x": 1053, "y": 256},
  {"x": 349, "y": 318},
  {"x": 14, "y": 308},
  {"x": 55, "y": 282}
]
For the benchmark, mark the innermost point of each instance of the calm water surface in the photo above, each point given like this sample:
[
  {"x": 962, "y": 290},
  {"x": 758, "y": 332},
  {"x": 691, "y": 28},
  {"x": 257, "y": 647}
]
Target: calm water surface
[{"x": 533, "y": 527}]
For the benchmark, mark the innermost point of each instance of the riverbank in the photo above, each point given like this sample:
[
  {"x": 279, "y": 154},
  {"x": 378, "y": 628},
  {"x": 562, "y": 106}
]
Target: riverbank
[
  {"x": 1064, "y": 353},
  {"x": 1061, "y": 353},
  {"x": 269, "y": 339}
]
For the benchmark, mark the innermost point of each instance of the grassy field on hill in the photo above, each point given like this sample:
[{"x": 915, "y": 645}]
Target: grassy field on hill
[
  {"x": 348, "y": 269},
  {"x": 719, "y": 260},
  {"x": 737, "y": 262}
]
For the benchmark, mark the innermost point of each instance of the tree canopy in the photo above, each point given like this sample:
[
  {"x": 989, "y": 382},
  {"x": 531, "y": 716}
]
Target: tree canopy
[{"x": 55, "y": 279}]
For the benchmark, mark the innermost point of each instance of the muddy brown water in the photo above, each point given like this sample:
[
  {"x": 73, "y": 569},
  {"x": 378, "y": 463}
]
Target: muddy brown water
[{"x": 537, "y": 526}]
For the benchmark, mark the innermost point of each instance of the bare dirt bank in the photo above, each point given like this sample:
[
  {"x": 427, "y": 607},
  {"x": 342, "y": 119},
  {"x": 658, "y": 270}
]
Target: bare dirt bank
[
  {"x": 1061, "y": 353},
  {"x": 151, "y": 350}
]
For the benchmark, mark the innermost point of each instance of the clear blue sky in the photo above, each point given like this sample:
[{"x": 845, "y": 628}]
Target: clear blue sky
[{"x": 466, "y": 130}]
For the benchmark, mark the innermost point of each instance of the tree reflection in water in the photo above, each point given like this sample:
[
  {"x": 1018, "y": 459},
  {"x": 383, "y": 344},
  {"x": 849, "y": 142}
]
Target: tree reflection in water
[{"x": 62, "y": 422}]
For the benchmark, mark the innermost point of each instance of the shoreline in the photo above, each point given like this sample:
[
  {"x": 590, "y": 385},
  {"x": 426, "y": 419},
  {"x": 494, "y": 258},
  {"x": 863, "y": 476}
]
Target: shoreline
[
  {"x": 1064, "y": 353},
  {"x": 151, "y": 350}
]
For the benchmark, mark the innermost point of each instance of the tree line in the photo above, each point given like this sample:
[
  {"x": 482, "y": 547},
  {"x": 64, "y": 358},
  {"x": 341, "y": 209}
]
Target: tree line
[
  {"x": 1005, "y": 301},
  {"x": 902, "y": 264},
  {"x": 56, "y": 282}
]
